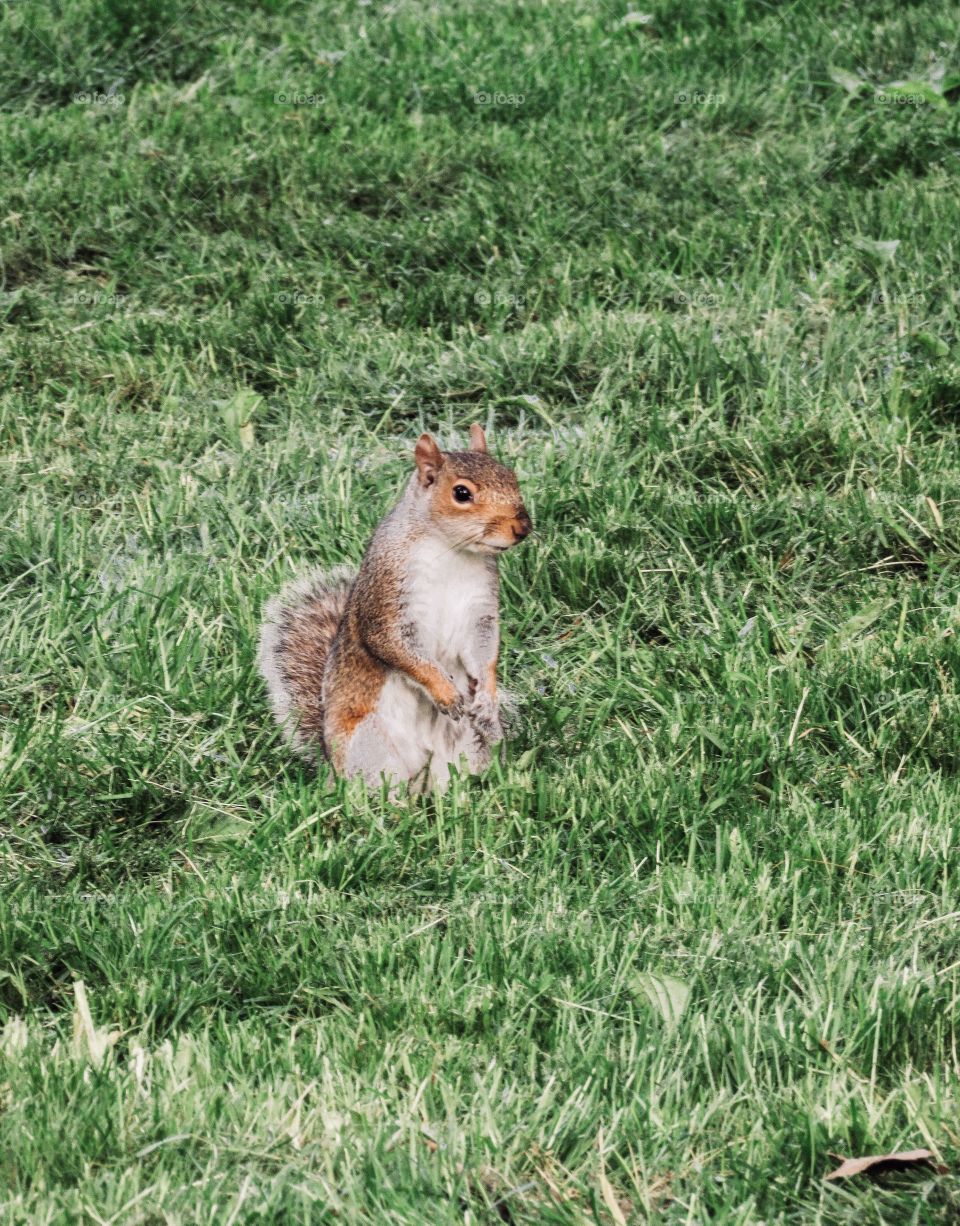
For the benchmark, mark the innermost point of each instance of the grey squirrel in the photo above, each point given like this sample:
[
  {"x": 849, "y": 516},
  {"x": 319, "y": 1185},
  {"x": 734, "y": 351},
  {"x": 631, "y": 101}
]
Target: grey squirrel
[{"x": 393, "y": 672}]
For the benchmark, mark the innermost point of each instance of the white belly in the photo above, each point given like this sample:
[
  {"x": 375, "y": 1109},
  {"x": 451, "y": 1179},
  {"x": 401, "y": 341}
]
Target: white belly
[{"x": 444, "y": 597}]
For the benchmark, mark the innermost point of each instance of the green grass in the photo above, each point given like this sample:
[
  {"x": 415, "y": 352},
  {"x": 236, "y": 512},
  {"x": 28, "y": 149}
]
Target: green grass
[{"x": 734, "y": 640}]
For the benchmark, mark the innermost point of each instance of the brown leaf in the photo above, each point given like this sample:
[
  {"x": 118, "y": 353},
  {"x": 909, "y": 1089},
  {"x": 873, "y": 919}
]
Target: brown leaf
[{"x": 877, "y": 1164}]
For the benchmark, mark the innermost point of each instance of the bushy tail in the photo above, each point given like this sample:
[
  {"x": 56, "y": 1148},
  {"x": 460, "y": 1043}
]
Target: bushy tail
[{"x": 299, "y": 625}]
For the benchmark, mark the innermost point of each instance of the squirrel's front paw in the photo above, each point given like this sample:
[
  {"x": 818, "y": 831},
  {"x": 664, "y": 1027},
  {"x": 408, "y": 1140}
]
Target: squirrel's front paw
[
  {"x": 450, "y": 702},
  {"x": 448, "y": 699},
  {"x": 484, "y": 714},
  {"x": 454, "y": 709}
]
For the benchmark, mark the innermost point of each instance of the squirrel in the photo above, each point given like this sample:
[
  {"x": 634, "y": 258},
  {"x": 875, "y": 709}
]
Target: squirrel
[{"x": 392, "y": 671}]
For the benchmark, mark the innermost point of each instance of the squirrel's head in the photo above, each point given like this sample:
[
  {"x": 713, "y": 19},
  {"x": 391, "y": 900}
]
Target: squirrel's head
[{"x": 472, "y": 499}]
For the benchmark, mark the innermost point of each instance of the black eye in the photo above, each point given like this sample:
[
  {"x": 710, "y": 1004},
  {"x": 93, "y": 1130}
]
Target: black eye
[{"x": 462, "y": 494}]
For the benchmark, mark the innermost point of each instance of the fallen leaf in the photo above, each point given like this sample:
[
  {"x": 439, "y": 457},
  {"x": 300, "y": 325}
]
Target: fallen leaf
[
  {"x": 878, "y": 1164},
  {"x": 881, "y": 249},
  {"x": 864, "y": 619},
  {"x": 667, "y": 995},
  {"x": 847, "y": 80}
]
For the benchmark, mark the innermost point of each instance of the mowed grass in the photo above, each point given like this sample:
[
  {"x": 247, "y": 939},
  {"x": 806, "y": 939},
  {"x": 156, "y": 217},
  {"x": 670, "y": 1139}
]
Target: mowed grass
[{"x": 697, "y": 274}]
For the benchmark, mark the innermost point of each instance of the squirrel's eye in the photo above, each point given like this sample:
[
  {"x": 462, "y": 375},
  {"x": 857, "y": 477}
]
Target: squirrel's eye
[{"x": 461, "y": 494}]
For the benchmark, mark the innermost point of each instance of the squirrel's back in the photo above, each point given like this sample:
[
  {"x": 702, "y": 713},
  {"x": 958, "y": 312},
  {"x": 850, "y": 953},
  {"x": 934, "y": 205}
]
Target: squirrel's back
[{"x": 299, "y": 626}]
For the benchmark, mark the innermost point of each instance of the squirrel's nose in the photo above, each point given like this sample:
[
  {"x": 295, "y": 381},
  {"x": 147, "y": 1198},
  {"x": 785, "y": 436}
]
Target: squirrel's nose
[{"x": 522, "y": 526}]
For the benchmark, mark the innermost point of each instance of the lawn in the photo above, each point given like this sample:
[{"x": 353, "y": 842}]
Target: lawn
[{"x": 695, "y": 269}]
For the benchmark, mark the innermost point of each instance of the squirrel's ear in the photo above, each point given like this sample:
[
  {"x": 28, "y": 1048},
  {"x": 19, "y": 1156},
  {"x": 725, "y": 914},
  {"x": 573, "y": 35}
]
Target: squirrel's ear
[
  {"x": 429, "y": 459},
  {"x": 478, "y": 440}
]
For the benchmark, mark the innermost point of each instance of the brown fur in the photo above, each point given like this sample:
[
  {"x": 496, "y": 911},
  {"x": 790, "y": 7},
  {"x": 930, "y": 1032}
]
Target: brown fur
[
  {"x": 299, "y": 629},
  {"x": 492, "y": 677},
  {"x": 350, "y": 702},
  {"x": 354, "y": 679}
]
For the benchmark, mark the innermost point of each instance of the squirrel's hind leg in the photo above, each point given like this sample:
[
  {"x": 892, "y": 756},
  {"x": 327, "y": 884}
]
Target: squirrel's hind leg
[
  {"x": 372, "y": 754},
  {"x": 457, "y": 743},
  {"x": 388, "y": 742}
]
